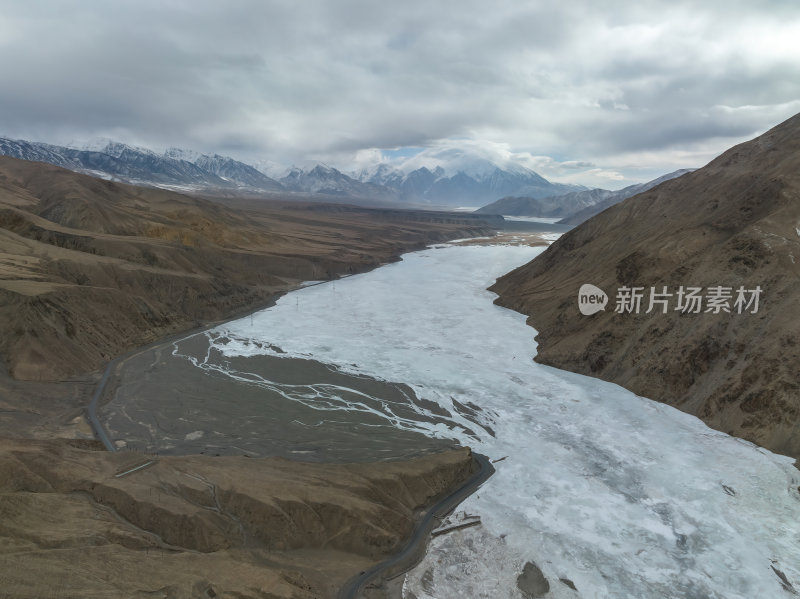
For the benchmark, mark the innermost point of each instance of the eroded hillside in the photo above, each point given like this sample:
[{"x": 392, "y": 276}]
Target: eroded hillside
[
  {"x": 734, "y": 224},
  {"x": 90, "y": 268}
]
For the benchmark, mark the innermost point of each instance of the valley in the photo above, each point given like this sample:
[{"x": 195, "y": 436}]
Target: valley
[
  {"x": 370, "y": 300},
  {"x": 93, "y": 268}
]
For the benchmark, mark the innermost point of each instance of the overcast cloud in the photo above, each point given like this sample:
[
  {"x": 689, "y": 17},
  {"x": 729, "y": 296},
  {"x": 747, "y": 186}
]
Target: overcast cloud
[{"x": 600, "y": 96}]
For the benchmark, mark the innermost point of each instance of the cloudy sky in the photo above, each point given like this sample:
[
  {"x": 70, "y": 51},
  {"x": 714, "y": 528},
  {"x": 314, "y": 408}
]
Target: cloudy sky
[{"x": 599, "y": 96}]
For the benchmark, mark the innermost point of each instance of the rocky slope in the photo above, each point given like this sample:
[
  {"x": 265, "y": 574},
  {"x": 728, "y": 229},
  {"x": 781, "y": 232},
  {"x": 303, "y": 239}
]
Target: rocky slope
[
  {"x": 551, "y": 206},
  {"x": 615, "y": 197},
  {"x": 196, "y": 526},
  {"x": 734, "y": 223},
  {"x": 90, "y": 268},
  {"x": 575, "y": 207}
]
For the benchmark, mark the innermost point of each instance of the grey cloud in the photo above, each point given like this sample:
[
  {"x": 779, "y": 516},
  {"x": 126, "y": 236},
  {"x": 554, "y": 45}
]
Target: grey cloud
[
  {"x": 282, "y": 80},
  {"x": 576, "y": 164}
]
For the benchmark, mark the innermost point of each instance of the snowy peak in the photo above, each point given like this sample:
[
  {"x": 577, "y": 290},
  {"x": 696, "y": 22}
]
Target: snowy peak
[
  {"x": 330, "y": 181},
  {"x": 109, "y": 147},
  {"x": 480, "y": 169},
  {"x": 180, "y": 154},
  {"x": 379, "y": 174},
  {"x": 118, "y": 150},
  {"x": 575, "y": 207},
  {"x": 445, "y": 177},
  {"x": 25, "y": 150},
  {"x": 456, "y": 176},
  {"x": 175, "y": 169},
  {"x": 476, "y": 163},
  {"x": 616, "y": 197},
  {"x": 236, "y": 172}
]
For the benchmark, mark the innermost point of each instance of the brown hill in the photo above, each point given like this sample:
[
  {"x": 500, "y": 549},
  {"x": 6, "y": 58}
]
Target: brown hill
[
  {"x": 90, "y": 268},
  {"x": 735, "y": 222},
  {"x": 194, "y": 526}
]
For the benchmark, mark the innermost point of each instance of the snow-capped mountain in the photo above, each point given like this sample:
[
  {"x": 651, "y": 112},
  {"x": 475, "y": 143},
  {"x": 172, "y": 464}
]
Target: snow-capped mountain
[
  {"x": 574, "y": 207},
  {"x": 270, "y": 168},
  {"x": 550, "y": 206},
  {"x": 445, "y": 177},
  {"x": 461, "y": 177},
  {"x": 38, "y": 152},
  {"x": 175, "y": 169},
  {"x": 380, "y": 174},
  {"x": 182, "y": 154},
  {"x": 327, "y": 180},
  {"x": 112, "y": 148},
  {"x": 617, "y": 196},
  {"x": 237, "y": 172}
]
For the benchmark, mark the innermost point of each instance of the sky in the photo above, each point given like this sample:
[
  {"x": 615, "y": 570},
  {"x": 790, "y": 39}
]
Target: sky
[{"x": 595, "y": 93}]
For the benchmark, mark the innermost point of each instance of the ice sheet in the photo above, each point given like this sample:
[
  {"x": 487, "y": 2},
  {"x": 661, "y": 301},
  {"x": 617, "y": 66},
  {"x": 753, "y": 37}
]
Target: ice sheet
[{"x": 623, "y": 496}]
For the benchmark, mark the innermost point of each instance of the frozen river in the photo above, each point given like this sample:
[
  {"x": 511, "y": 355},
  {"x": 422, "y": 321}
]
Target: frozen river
[{"x": 610, "y": 494}]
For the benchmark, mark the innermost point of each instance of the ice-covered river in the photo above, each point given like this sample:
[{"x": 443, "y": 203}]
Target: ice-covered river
[{"x": 617, "y": 495}]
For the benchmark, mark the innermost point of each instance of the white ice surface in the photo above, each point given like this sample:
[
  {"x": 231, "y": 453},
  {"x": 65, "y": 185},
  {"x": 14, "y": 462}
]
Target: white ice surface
[
  {"x": 548, "y": 220},
  {"x": 622, "y": 495}
]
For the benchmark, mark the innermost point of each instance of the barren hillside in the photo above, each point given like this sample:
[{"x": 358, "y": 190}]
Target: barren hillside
[
  {"x": 89, "y": 268},
  {"x": 196, "y": 526},
  {"x": 734, "y": 223}
]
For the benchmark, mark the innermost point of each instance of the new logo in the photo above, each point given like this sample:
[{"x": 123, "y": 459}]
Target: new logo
[{"x": 591, "y": 299}]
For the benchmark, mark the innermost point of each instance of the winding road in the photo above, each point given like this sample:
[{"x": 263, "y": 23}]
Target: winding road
[
  {"x": 99, "y": 431},
  {"x": 413, "y": 552}
]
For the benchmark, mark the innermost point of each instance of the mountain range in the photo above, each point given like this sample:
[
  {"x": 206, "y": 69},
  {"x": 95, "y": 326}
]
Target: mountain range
[
  {"x": 574, "y": 207},
  {"x": 615, "y": 197},
  {"x": 459, "y": 178},
  {"x": 175, "y": 169}
]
